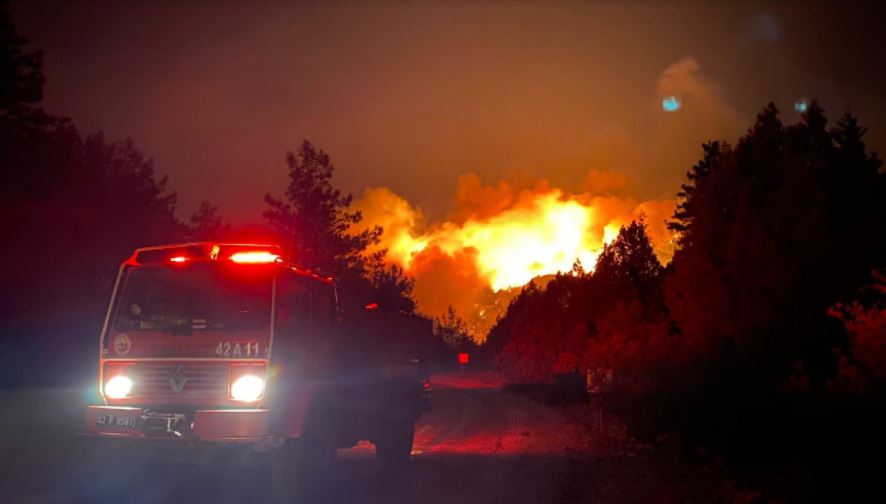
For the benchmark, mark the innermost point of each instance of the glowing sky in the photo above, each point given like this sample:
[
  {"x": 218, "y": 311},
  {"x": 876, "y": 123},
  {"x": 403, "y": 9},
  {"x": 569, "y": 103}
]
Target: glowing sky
[{"x": 411, "y": 95}]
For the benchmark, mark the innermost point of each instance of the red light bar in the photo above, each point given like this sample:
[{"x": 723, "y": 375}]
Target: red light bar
[
  {"x": 255, "y": 257},
  {"x": 372, "y": 306},
  {"x": 178, "y": 259}
]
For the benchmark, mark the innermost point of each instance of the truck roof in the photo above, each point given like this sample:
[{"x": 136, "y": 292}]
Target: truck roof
[{"x": 242, "y": 253}]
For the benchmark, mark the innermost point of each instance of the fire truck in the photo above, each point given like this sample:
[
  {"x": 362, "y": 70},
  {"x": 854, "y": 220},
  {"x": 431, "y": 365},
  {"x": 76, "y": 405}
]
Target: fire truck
[{"x": 208, "y": 345}]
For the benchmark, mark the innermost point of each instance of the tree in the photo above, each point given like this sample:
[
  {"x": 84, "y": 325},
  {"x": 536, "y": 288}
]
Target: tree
[
  {"x": 519, "y": 307},
  {"x": 575, "y": 321},
  {"x": 862, "y": 366},
  {"x": 686, "y": 210},
  {"x": 73, "y": 206},
  {"x": 314, "y": 224},
  {"x": 393, "y": 288},
  {"x": 632, "y": 344},
  {"x": 207, "y": 224},
  {"x": 453, "y": 331},
  {"x": 90, "y": 203},
  {"x": 774, "y": 231},
  {"x": 630, "y": 330},
  {"x": 21, "y": 71},
  {"x": 314, "y": 219},
  {"x": 629, "y": 262}
]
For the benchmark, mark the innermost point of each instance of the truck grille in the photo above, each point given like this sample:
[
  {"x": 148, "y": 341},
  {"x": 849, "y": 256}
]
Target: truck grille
[{"x": 179, "y": 382}]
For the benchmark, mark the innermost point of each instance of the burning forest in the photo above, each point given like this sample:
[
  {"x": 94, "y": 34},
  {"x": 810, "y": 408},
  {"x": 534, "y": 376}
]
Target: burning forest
[{"x": 499, "y": 237}]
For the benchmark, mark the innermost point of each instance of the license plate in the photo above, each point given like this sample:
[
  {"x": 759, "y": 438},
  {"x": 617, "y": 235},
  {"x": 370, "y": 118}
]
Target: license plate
[{"x": 116, "y": 421}]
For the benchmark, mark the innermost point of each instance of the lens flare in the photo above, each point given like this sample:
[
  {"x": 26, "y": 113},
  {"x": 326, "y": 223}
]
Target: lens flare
[
  {"x": 801, "y": 105},
  {"x": 670, "y": 104}
]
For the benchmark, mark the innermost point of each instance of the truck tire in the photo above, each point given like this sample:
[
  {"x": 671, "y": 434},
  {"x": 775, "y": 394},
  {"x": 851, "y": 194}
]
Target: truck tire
[
  {"x": 393, "y": 447},
  {"x": 300, "y": 466}
]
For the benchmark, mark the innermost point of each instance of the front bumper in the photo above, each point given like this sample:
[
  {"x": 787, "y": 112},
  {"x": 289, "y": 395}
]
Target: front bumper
[{"x": 221, "y": 425}]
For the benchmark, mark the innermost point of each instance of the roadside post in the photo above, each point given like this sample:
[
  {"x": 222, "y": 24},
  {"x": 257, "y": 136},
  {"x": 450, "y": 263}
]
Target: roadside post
[{"x": 599, "y": 381}]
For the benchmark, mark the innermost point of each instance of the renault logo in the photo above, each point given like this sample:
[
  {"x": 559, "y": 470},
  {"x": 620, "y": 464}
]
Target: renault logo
[{"x": 177, "y": 382}]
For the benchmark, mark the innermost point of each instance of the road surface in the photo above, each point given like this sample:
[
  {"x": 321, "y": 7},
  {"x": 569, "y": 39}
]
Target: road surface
[{"x": 478, "y": 445}]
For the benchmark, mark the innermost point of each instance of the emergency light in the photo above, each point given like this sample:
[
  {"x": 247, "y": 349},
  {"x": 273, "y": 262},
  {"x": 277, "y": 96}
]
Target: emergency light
[
  {"x": 205, "y": 251},
  {"x": 255, "y": 257}
]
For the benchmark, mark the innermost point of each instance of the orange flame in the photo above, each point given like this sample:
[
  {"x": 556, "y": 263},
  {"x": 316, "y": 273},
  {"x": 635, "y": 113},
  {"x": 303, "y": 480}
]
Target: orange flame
[
  {"x": 513, "y": 236},
  {"x": 543, "y": 237}
]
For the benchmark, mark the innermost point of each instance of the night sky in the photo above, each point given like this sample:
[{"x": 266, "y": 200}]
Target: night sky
[{"x": 410, "y": 95}]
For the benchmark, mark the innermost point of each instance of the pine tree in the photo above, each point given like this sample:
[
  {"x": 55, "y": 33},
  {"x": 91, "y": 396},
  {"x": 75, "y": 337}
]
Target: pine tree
[
  {"x": 393, "y": 288},
  {"x": 453, "y": 331},
  {"x": 685, "y": 208},
  {"x": 775, "y": 231},
  {"x": 629, "y": 260},
  {"x": 21, "y": 71},
  {"x": 206, "y": 223},
  {"x": 314, "y": 219},
  {"x": 314, "y": 224}
]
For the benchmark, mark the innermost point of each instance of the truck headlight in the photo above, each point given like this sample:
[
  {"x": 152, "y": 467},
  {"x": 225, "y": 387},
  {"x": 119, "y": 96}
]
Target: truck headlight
[
  {"x": 118, "y": 387},
  {"x": 247, "y": 388}
]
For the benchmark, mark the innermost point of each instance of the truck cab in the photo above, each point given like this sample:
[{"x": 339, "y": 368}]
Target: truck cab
[{"x": 228, "y": 344}]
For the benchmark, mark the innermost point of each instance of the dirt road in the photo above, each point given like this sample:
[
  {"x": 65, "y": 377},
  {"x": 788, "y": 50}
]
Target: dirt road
[{"x": 478, "y": 445}]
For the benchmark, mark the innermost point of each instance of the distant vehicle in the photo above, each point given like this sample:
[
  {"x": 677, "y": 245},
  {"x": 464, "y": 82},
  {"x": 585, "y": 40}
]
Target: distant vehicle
[{"x": 209, "y": 345}]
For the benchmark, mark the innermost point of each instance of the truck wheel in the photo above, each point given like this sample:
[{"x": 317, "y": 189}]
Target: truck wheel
[
  {"x": 299, "y": 467},
  {"x": 394, "y": 445},
  {"x": 285, "y": 468}
]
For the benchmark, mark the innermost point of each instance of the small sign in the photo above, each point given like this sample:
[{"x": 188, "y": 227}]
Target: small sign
[
  {"x": 463, "y": 358},
  {"x": 122, "y": 344}
]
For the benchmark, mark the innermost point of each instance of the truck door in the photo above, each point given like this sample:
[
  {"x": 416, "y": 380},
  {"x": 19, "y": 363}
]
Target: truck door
[{"x": 302, "y": 349}]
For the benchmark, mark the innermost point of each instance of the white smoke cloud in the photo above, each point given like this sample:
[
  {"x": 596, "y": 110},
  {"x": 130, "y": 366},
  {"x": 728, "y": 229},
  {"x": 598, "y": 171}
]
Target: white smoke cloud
[{"x": 705, "y": 115}]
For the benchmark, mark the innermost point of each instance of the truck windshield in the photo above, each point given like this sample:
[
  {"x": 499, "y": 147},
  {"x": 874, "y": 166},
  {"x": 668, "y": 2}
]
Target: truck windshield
[{"x": 179, "y": 300}]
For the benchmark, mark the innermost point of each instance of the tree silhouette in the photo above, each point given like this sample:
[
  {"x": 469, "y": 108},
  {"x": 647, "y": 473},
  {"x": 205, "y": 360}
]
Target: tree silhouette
[
  {"x": 629, "y": 261},
  {"x": 686, "y": 210},
  {"x": 393, "y": 289},
  {"x": 207, "y": 224},
  {"x": 73, "y": 206},
  {"x": 314, "y": 224},
  {"x": 314, "y": 219},
  {"x": 21, "y": 71},
  {"x": 518, "y": 309},
  {"x": 453, "y": 331},
  {"x": 775, "y": 231},
  {"x": 576, "y": 320}
]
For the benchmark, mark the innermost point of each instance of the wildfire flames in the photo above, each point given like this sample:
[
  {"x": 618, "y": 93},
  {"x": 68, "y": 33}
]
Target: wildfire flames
[
  {"x": 544, "y": 236},
  {"x": 500, "y": 237}
]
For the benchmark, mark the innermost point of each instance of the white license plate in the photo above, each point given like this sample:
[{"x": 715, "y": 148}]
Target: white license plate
[{"x": 116, "y": 421}]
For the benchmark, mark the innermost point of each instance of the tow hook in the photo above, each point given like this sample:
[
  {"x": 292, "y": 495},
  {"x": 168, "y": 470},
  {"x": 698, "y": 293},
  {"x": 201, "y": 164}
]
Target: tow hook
[{"x": 164, "y": 424}]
